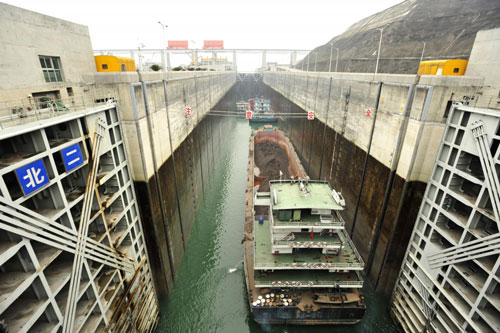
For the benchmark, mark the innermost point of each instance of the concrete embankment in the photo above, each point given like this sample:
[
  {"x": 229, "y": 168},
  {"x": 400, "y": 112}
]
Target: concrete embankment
[
  {"x": 399, "y": 121},
  {"x": 171, "y": 152}
]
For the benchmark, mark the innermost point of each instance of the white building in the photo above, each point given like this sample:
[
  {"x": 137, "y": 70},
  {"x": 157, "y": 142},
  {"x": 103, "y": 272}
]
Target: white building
[{"x": 42, "y": 57}]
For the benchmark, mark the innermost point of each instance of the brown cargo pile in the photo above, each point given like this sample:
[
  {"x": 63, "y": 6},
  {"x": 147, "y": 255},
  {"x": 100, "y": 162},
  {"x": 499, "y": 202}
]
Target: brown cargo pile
[{"x": 270, "y": 158}]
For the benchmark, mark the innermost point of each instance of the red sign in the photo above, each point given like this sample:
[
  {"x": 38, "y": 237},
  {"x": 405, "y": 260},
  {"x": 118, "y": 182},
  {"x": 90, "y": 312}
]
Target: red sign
[
  {"x": 368, "y": 112},
  {"x": 187, "y": 111},
  {"x": 177, "y": 45},
  {"x": 249, "y": 114},
  {"x": 310, "y": 115},
  {"x": 213, "y": 44}
]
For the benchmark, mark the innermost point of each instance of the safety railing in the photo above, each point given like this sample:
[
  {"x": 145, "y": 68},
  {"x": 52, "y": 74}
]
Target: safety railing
[{"x": 24, "y": 111}]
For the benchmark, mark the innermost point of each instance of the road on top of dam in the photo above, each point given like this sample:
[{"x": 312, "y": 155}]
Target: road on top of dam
[{"x": 209, "y": 293}]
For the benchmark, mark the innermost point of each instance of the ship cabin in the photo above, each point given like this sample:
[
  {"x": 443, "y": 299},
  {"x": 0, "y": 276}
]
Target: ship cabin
[{"x": 304, "y": 230}]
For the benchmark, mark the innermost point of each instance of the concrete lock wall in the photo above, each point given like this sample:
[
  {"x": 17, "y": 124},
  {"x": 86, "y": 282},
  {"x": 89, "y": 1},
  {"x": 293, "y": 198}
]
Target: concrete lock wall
[
  {"x": 396, "y": 174},
  {"x": 484, "y": 59},
  {"x": 170, "y": 186}
]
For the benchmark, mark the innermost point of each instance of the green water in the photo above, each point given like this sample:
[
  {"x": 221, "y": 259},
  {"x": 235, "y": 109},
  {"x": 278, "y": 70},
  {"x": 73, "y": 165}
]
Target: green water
[{"x": 206, "y": 296}]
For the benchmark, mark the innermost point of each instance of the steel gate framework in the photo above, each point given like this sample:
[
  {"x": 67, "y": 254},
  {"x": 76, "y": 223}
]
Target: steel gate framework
[
  {"x": 450, "y": 277},
  {"x": 56, "y": 260}
]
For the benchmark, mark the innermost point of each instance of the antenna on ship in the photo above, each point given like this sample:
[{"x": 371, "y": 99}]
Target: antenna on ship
[
  {"x": 292, "y": 180},
  {"x": 281, "y": 175},
  {"x": 302, "y": 187}
]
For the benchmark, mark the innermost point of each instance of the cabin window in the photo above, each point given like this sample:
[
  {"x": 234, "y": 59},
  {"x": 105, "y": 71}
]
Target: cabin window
[
  {"x": 455, "y": 70},
  {"x": 104, "y": 66},
  {"x": 51, "y": 67},
  {"x": 124, "y": 69},
  {"x": 285, "y": 215}
]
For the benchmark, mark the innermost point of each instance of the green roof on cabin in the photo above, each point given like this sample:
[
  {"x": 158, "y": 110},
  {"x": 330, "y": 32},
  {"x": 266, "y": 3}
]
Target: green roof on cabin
[{"x": 318, "y": 195}]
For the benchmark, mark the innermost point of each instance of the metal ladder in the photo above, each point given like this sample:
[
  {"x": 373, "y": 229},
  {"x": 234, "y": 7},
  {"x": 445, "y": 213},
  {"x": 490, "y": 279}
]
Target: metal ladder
[{"x": 342, "y": 136}]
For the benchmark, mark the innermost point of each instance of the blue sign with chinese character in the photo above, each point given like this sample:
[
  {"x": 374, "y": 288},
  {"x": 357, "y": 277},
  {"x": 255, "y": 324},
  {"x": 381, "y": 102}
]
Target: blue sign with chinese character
[
  {"x": 72, "y": 157},
  {"x": 32, "y": 176}
]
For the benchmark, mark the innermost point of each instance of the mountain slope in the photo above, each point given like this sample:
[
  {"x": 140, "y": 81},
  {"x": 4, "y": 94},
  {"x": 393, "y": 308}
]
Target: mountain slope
[{"x": 448, "y": 28}]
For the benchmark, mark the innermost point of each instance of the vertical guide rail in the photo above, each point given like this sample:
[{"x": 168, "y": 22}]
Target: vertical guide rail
[
  {"x": 69, "y": 318},
  {"x": 367, "y": 156},
  {"x": 388, "y": 189},
  {"x": 324, "y": 128},
  {"x": 423, "y": 119}
]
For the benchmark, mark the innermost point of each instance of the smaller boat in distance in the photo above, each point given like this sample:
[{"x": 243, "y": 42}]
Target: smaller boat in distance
[{"x": 261, "y": 111}]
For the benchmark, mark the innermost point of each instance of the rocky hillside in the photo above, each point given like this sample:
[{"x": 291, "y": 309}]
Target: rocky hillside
[{"x": 448, "y": 28}]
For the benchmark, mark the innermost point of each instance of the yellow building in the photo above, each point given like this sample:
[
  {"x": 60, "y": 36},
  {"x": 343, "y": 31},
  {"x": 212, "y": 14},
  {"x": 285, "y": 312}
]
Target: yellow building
[
  {"x": 108, "y": 63},
  {"x": 443, "y": 67}
]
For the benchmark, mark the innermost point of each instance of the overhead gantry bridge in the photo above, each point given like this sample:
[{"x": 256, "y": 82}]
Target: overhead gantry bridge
[{"x": 163, "y": 56}]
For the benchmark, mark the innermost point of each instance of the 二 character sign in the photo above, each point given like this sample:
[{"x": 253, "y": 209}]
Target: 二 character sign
[
  {"x": 368, "y": 112},
  {"x": 310, "y": 115},
  {"x": 72, "y": 157}
]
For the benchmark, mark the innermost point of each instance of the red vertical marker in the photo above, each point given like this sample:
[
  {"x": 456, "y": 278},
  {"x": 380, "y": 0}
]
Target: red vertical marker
[
  {"x": 187, "y": 111},
  {"x": 312, "y": 235},
  {"x": 368, "y": 112}
]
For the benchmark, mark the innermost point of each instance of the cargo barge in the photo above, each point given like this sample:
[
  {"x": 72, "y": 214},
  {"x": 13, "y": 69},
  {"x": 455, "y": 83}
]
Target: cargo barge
[{"x": 301, "y": 267}]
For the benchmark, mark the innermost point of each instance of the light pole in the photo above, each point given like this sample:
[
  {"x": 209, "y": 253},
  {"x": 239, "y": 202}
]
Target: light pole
[
  {"x": 337, "y": 61},
  {"x": 307, "y": 69},
  {"x": 315, "y": 60},
  {"x": 163, "y": 26},
  {"x": 139, "y": 48},
  {"x": 379, "y": 45},
  {"x": 421, "y": 57},
  {"x": 195, "y": 54},
  {"x": 331, "y": 53}
]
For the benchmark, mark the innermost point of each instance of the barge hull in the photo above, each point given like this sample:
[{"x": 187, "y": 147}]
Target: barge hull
[{"x": 292, "y": 315}]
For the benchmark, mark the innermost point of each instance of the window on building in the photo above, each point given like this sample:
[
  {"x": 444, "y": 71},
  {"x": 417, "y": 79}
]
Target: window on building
[
  {"x": 455, "y": 70},
  {"x": 124, "y": 69},
  {"x": 104, "y": 66},
  {"x": 51, "y": 67}
]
